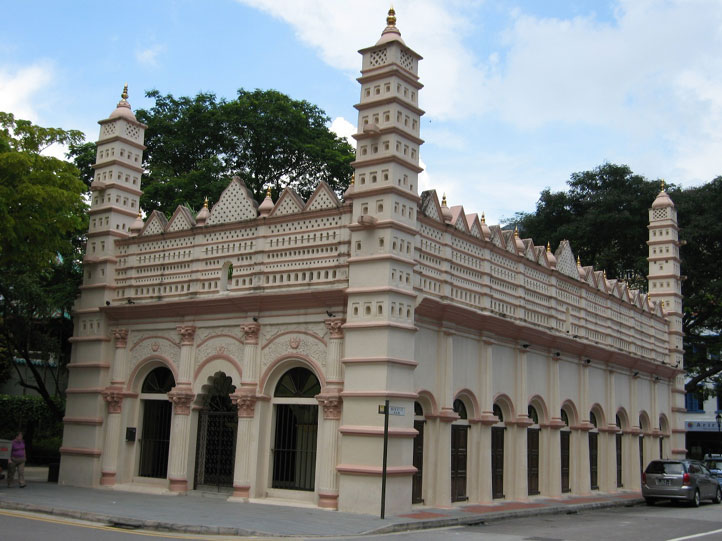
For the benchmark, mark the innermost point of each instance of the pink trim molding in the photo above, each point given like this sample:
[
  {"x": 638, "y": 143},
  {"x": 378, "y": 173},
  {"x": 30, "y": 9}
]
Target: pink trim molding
[
  {"x": 328, "y": 500},
  {"x": 378, "y": 431},
  {"x": 107, "y": 478},
  {"x": 177, "y": 485},
  {"x": 360, "y": 469},
  {"x": 80, "y": 451},
  {"x": 241, "y": 491}
]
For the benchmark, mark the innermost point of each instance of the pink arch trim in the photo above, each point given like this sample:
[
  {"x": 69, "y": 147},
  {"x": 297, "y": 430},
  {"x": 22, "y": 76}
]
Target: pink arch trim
[
  {"x": 311, "y": 364},
  {"x": 428, "y": 395},
  {"x": 544, "y": 417},
  {"x": 467, "y": 393},
  {"x": 505, "y": 401},
  {"x": 223, "y": 335},
  {"x": 143, "y": 362},
  {"x": 571, "y": 407},
  {"x": 223, "y": 356},
  {"x": 279, "y": 335},
  {"x": 598, "y": 411}
]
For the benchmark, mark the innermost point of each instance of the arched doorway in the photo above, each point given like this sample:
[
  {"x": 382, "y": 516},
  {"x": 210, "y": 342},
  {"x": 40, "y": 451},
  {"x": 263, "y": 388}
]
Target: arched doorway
[
  {"x": 564, "y": 440},
  {"x": 216, "y": 441},
  {"x": 497, "y": 455},
  {"x": 418, "y": 459},
  {"x": 593, "y": 453},
  {"x": 459, "y": 443},
  {"x": 532, "y": 452},
  {"x": 296, "y": 427},
  {"x": 155, "y": 432}
]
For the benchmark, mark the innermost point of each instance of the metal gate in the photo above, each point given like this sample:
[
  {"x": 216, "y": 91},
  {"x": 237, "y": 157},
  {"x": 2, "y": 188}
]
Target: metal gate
[
  {"x": 216, "y": 449},
  {"x": 155, "y": 439},
  {"x": 294, "y": 452},
  {"x": 532, "y": 459}
]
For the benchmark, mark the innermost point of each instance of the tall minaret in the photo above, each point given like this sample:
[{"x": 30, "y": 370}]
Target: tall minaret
[
  {"x": 115, "y": 197},
  {"x": 665, "y": 287},
  {"x": 665, "y": 283},
  {"x": 379, "y": 332}
]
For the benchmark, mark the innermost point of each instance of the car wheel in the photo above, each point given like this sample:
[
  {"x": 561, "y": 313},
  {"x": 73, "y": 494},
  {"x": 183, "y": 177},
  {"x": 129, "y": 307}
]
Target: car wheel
[
  {"x": 718, "y": 496},
  {"x": 649, "y": 501},
  {"x": 695, "y": 499}
]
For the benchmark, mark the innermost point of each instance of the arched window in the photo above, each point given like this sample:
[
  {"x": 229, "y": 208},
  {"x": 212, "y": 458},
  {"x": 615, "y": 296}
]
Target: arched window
[
  {"x": 498, "y": 413},
  {"x": 418, "y": 410},
  {"x": 460, "y": 409},
  {"x": 593, "y": 419},
  {"x": 160, "y": 380},
  {"x": 533, "y": 415},
  {"x": 298, "y": 383},
  {"x": 565, "y": 417}
]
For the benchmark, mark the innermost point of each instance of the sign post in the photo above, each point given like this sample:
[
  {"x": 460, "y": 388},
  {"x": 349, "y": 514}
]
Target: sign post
[{"x": 383, "y": 469}]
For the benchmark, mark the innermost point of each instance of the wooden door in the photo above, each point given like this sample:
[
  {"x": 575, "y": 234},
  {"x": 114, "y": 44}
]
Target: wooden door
[
  {"x": 459, "y": 438},
  {"x": 532, "y": 460},
  {"x": 564, "y": 439},
  {"x": 417, "y": 479},
  {"x": 497, "y": 462},
  {"x": 593, "y": 480}
]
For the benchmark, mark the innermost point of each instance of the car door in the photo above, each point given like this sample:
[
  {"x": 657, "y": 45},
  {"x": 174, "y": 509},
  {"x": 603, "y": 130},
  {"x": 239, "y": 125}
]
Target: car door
[{"x": 709, "y": 481}]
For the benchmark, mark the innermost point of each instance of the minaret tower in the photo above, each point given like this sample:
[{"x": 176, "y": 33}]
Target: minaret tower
[
  {"x": 115, "y": 200},
  {"x": 665, "y": 287},
  {"x": 379, "y": 332}
]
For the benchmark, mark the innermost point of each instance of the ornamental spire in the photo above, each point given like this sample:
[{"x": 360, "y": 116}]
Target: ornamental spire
[
  {"x": 391, "y": 19},
  {"x": 124, "y": 95}
]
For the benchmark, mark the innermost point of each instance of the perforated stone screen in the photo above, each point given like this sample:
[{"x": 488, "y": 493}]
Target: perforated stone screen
[
  {"x": 233, "y": 206},
  {"x": 378, "y": 58}
]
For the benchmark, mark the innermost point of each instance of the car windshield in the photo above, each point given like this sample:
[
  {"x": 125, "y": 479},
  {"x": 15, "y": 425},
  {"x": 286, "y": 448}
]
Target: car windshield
[
  {"x": 665, "y": 467},
  {"x": 714, "y": 464}
]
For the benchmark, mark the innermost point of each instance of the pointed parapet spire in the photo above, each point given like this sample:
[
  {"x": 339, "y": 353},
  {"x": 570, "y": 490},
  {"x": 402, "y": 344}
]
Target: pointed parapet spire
[
  {"x": 266, "y": 205},
  {"x": 202, "y": 216},
  {"x": 350, "y": 188},
  {"x": 663, "y": 200},
  {"x": 137, "y": 225},
  {"x": 517, "y": 241},
  {"x": 551, "y": 259},
  {"x": 445, "y": 210},
  {"x": 485, "y": 231}
]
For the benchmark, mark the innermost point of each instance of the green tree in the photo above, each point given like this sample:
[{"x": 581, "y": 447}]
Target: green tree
[
  {"x": 43, "y": 218},
  {"x": 268, "y": 139},
  {"x": 83, "y": 157},
  {"x": 604, "y": 216}
]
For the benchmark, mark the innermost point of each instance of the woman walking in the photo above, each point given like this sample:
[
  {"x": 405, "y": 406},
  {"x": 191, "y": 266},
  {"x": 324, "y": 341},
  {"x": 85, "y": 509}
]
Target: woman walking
[{"x": 17, "y": 461}]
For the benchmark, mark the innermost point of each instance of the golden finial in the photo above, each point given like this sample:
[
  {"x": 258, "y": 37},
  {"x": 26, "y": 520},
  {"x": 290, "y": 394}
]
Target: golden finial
[
  {"x": 268, "y": 192},
  {"x": 353, "y": 179},
  {"x": 516, "y": 232},
  {"x": 483, "y": 218},
  {"x": 604, "y": 273},
  {"x": 205, "y": 203},
  {"x": 124, "y": 95},
  {"x": 662, "y": 184},
  {"x": 140, "y": 215},
  {"x": 391, "y": 19},
  {"x": 549, "y": 247},
  {"x": 579, "y": 261},
  {"x": 443, "y": 201}
]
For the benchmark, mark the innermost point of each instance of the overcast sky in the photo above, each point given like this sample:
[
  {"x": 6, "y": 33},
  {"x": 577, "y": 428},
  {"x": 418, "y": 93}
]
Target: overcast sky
[{"x": 518, "y": 93}]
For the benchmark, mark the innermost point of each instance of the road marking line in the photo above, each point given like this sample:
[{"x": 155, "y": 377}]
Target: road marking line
[{"x": 703, "y": 534}]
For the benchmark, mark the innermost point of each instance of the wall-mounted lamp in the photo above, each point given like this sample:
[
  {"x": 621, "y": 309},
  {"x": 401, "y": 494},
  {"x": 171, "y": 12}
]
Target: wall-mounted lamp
[
  {"x": 557, "y": 354},
  {"x": 255, "y": 319},
  {"x": 635, "y": 374},
  {"x": 525, "y": 346},
  {"x": 656, "y": 378},
  {"x": 329, "y": 314},
  {"x": 588, "y": 361}
]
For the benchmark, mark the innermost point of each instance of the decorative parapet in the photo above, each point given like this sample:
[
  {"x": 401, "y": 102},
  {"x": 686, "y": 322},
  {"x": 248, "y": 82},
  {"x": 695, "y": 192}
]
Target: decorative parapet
[
  {"x": 188, "y": 333},
  {"x": 250, "y": 332},
  {"x": 121, "y": 337},
  {"x": 331, "y": 404},
  {"x": 113, "y": 396},
  {"x": 245, "y": 401},
  {"x": 181, "y": 399},
  {"x": 335, "y": 327}
]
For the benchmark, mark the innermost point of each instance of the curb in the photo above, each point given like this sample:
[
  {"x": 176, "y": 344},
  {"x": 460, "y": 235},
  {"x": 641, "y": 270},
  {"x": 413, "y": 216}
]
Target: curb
[{"x": 128, "y": 523}]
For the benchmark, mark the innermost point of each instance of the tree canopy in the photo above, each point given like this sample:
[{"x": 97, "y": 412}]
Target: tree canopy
[
  {"x": 196, "y": 144},
  {"x": 42, "y": 222},
  {"x": 604, "y": 216}
]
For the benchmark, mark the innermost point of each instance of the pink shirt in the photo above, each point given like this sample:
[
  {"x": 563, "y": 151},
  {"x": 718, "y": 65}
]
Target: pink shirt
[{"x": 18, "y": 449}]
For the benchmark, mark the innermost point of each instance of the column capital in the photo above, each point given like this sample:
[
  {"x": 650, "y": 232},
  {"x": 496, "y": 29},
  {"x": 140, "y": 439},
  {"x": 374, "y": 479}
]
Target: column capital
[
  {"x": 245, "y": 401},
  {"x": 331, "y": 404},
  {"x": 334, "y": 326},
  {"x": 250, "y": 332},
  {"x": 121, "y": 337},
  {"x": 188, "y": 333},
  {"x": 113, "y": 396},
  {"x": 181, "y": 399}
]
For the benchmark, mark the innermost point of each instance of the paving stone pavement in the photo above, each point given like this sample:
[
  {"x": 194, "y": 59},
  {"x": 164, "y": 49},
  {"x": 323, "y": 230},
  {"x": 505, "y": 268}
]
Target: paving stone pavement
[{"x": 206, "y": 514}]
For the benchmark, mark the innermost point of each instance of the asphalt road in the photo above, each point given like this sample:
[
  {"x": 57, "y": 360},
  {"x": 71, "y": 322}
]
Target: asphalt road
[{"x": 663, "y": 522}]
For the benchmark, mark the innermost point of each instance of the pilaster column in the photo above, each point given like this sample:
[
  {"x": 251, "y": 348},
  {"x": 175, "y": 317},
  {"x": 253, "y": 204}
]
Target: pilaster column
[
  {"x": 551, "y": 439},
  {"x": 633, "y": 479},
  {"x": 519, "y": 426},
  {"x": 245, "y": 400},
  {"x": 181, "y": 396},
  {"x": 335, "y": 347},
  {"x": 581, "y": 480},
  {"x": 113, "y": 397},
  {"x": 250, "y": 352},
  {"x": 610, "y": 436},
  {"x": 486, "y": 402},
  {"x": 328, "y": 478}
]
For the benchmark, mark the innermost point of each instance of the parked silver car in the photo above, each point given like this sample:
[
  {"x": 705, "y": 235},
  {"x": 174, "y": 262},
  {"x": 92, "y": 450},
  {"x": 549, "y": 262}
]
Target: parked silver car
[
  {"x": 714, "y": 465},
  {"x": 686, "y": 480}
]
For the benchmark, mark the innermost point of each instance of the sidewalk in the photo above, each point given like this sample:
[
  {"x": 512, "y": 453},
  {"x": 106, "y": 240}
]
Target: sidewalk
[{"x": 212, "y": 515}]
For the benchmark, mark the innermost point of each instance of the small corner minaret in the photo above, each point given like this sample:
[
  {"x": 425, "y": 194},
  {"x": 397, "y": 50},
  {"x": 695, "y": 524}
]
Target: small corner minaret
[
  {"x": 665, "y": 283},
  {"x": 115, "y": 198}
]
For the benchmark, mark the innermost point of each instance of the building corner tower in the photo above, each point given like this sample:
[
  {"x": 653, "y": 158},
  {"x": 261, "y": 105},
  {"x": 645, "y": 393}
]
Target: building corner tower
[
  {"x": 380, "y": 332},
  {"x": 96, "y": 368},
  {"x": 665, "y": 287}
]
